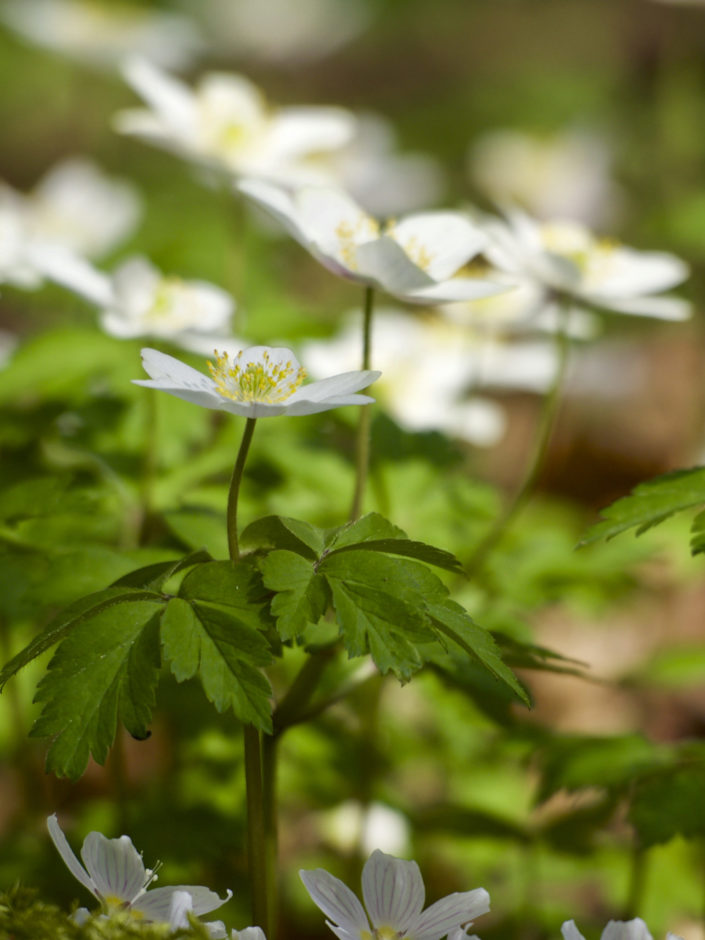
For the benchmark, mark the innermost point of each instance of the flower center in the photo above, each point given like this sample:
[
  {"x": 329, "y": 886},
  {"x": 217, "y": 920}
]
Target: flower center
[
  {"x": 262, "y": 380},
  {"x": 350, "y": 235}
]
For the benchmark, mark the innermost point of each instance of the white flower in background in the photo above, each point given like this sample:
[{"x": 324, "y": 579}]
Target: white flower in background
[
  {"x": 565, "y": 175},
  {"x": 305, "y": 31},
  {"x": 77, "y": 206},
  {"x": 634, "y": 929},
  {"x": 226, "y": 123},
  {"x": 394, "y": 895},
  {"x": 413, "y": 259},
  {"x": 428, "y": 367},
  {"x": 383, "y": 180},
  {"x": 102, "y": 34},
  {"x": 259, "y": 382},
  {"x": 115, "y": 875},
  {"x": 564, "y": 260},
  {"x": 73, "y": 208},
  {"x": 351, "y": 825},
  {"x": 138, "y": 300}
]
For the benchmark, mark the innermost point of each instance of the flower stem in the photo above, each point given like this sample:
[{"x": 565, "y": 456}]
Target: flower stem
[
  {"x": 271, "y": 834},
  {"x": 362, "y": 441},
  {"x": 256, "y": 830},
  {"x": 538, "y": 458},
  {"x": 233, "y": 542}
]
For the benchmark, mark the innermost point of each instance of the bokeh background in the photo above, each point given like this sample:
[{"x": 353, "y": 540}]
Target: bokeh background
[{"x": 541, "y": 808}]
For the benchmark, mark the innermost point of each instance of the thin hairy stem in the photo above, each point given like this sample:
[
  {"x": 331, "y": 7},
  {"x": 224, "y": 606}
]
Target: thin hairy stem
[
  {"x": 233, "y": 540},
  {"x": 362, "y": 440}
]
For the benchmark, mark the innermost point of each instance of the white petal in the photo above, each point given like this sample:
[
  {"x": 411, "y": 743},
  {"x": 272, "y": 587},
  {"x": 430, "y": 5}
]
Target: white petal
[
  {"x": 570, "y": 931},
  {"x": 625, "y": 272},
  {"x": 179, "y": 908},
  {"x": 67, "y": 854},
  {"x": 385, "y": 263},
  {"x": 446, "y": 239},
  {"x": 73, "y": 272},
  {"x": 249, "y": 933},
  {"x": 277, "y": 202},
  {"x": 169, "y": 374},
  {"x": 393, "y": 891},
  {"x": 335, "y": 386},
  {"x": 449, "y": 913},
  {"x": 661, "y": 308},
  {"x": 115, "y": 866},
  {"x": 156, "y": 904},
  {"x": 634, "y": 929},
  {"x": 315, "y": 407},
  {"x": 324, "y": 210},
  {"x": 171, "y": 99},
  {"x": 336, "y": 900},
  {"x": 296, "y": 132},
  {"x": 456, "y": 289}
]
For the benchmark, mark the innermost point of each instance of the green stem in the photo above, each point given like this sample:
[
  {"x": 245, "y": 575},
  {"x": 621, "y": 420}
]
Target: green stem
[
  {"x": 637, "y": 882},
  {"x": 149, "y": 466},
  {"x": 362, "y": 441},
  {"x": 271, "y": 834},
  {"x": 256, "y": 829},
  {"x": 233, "y": 542},
  {"x": 302, "y": 688},
  {"x": 537, "y": 462}
]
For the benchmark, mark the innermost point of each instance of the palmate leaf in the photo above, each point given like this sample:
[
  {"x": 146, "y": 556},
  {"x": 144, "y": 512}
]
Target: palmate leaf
[
  {"x": 651, "y": 503},
  {"x": 106, "y": 668},
  {"x": 302, "y": 595}
]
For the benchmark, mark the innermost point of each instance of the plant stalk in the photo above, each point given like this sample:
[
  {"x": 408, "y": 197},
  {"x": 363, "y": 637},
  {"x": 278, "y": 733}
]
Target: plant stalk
[
  {"x": 362, "y": 440},
  {"x": 234, "y": 492},
  {"x": 256, "y": 830}
]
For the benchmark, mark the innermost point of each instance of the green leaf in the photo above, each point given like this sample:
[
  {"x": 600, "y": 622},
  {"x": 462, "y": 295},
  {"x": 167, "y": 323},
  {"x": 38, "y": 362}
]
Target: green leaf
[
  {"x": 237, "y": 586},
  {"x": 651, "y": 503},
  {"x": 285, "y": 533},
  {"x": 106, "y": 668},
  {"x": 697, "y": 534},
  {"x": 454, "y": 622},
  {"x": 224, "y": 651},
  {"x": 302, "y": 595},
  {"x": 406, "y": 547},
  {"x": 370, "y": 527},
  {"x": 376, "y": 600},
  {"x": 670, "y": 803},
  {"x": 154, "y": 577},
  {"x": 73, "y": 616}
]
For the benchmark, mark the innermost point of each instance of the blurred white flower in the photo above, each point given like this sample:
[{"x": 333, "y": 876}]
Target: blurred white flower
[
  {"x": 634, "y": 929},
  {"x": 259, "y": 382},
  {"x": 563, "y": 259},
  {"x": 428, "y": 366},
  {"x": 16, "y": 266},
  {"x": 305, "y": 31},
  {"x": 225, "y": 123},
  {"x": 138, "y": 300},
  {"x": 394, "y": 895},
  {"x": 565, "y": 175},
  {"x": 352, "y": 825},
  {"x": 115, "y": 875},
  {"x": 102, "y": 34},
  {"x": 413, "y": 259},
  {"x": 383, "y": 180}
]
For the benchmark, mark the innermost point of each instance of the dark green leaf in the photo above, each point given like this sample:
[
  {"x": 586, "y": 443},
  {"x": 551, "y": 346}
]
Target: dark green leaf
[
  {"x": 282, "y": 532},
  {"x": 302, "y": 595},
  {"x": 154, "y": 577},
  {"x": 670, "y": 803},
  {"x": 224, "y": 650},
  {"x": 650, "y": 503},
  {"x": 106, "y": 668},
  {"x": 370, "y": 527},
  {"x": 697, "y": 534},
  {"x": 406, "y": 547}
]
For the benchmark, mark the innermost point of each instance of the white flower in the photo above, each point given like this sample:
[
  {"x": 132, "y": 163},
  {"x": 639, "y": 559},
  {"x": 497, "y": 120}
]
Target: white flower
[
  {"x": 564, "y": 258},
  {"x": 351, "y": 824},
  {"x": 138, "y": 300},
  {"x": 114, "y": 873},
  {"x": 414, "y": 259},
  {"x": 634, "y": 929},
  {"x": 565, "y": 175},
  {"x": 16, "y": 264},
  {"x": 428, "y": 366},
  {"x": 226, "y": 123},
  {"x": 393, "y": 892},
  {"x": 305, "y": 31},
  {"x": 259, "y": 382},
  {"x": 102, "y": 34}
]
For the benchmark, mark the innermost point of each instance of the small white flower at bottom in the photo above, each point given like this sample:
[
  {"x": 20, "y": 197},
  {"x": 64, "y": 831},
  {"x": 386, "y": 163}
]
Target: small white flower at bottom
[
  {"x": 634, "y": 929},
  {"x": 394, "y": 895}
]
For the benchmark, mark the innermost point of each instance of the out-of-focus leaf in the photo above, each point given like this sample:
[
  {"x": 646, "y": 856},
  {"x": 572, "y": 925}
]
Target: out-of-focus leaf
[{"x": 669, "y": 803}]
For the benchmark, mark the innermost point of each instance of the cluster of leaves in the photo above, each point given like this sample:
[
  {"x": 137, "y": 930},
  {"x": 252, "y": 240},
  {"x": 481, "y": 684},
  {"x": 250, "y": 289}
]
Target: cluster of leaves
[
  {"x": 223, "y": 622},
  {"x": 24, "y": 917}
]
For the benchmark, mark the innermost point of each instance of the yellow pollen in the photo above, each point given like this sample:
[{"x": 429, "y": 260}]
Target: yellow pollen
[
  {"x": 350, "y": 235},
  {"x": 262, "y": 381},
  {"x": 386, "y": 933},
  {"x": 419, "y": 254},
  {"x": 163, "y": 298}
]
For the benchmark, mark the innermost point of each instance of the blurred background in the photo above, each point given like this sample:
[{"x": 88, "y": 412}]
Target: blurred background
[{"x": 591, "y": 805}]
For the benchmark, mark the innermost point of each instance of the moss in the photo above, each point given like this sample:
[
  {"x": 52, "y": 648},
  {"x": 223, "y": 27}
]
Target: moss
[{"x": 24, "y": 917}]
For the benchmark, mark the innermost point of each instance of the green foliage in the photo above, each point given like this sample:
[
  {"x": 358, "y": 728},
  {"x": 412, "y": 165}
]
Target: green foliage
[
  {"x": 654, "y": 501},
  {"x": 669, "y": 802},
  {"x": 24, "y": 917}
]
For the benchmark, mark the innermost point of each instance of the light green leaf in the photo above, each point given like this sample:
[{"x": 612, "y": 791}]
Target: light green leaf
[
  {"x": 225, "y": 652},
  {"x": 106, "y": 669},
  {"x": 650, "y": 503},
  {"x": 302, "y": 595},
  {"x": 370, "y": 527}
]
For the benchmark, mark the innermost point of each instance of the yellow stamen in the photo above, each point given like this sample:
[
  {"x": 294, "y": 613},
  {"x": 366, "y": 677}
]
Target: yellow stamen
[
  {"x": 350, "y": 235},
  {"x": 262, "y": 381}
]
